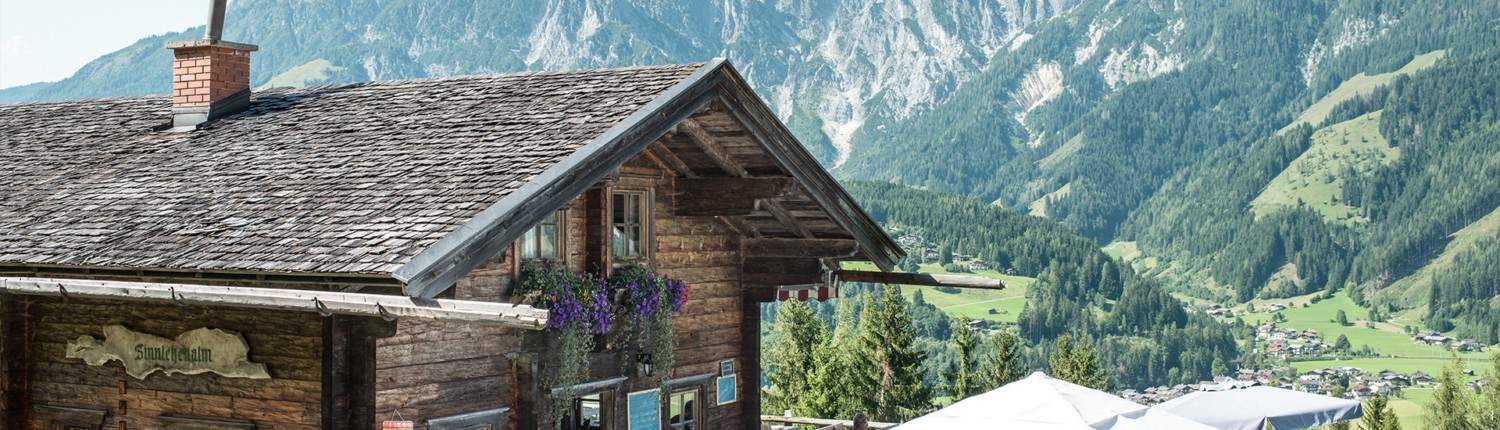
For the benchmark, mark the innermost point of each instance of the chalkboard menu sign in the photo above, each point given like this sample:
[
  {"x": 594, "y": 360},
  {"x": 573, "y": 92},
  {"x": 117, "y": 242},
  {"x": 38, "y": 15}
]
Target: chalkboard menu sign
[
  {"x": 644, "y": 410},
  {"x": 727, "y": 392}
]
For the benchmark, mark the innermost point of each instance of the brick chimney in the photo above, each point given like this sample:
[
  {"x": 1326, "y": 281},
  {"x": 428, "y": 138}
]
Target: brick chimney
[{"x": 210, "y": 77}]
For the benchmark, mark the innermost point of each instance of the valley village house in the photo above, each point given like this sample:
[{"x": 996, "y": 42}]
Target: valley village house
[{"x": 341, "y": 256}]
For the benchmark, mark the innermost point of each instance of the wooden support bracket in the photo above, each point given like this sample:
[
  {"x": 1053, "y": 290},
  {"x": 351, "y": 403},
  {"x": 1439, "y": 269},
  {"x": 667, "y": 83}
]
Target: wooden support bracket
[{"x": 957, "y": 281}]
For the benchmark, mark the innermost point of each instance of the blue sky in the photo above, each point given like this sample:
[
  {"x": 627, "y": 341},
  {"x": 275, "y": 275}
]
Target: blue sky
[{"x": 48, "y": 40}]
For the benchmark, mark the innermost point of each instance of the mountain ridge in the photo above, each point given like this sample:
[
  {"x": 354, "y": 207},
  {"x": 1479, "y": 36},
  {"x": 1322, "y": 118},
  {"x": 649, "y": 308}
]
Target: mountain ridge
[{"x": 1153, "y": 122}]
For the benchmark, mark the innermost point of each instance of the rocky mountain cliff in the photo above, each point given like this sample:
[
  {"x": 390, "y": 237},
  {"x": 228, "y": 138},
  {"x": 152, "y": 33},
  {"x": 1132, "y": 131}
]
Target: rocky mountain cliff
[{"x": 825, "y": 65}]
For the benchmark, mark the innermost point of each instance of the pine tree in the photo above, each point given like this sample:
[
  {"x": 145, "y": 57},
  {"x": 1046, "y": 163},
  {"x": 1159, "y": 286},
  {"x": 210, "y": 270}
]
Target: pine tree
[
  {"x": 893, "y": 362},
  {"x": 1073, "y": 360},
  {"x": 1451, "y": 407},
  {"x": 1489, "y": 401},
  {"x": 789, "y": 355},
  {"x": 1341, "y": 318},
  {"x": 1338, "y": 392},
  {"x": 1003, "y": 364},
  {"x": 1379, "y": 415},
  {"x": 962, "y": 379},
  {"x": 1342, "y": 343},
  {"x": 835, "y": 389}
]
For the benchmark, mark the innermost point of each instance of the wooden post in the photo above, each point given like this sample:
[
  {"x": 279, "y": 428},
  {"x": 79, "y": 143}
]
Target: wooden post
[
  {"x": 335, "y": 396},
  {"x": 349, "y": 368},
  {"x": 595, "y": 244},
  {"x": 528, "y": 407},
  {"x": 750, "y": 370},
  {"x": 15, "y": 390}
]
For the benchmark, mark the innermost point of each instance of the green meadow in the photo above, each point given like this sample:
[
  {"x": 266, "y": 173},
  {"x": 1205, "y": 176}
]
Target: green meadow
[{"x": 1397, "y": 352}]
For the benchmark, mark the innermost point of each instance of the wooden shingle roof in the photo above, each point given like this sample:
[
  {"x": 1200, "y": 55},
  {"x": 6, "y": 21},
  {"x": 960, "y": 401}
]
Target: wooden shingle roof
[
  {"x": 412, "y": 182},
  {"x": 354, "y": 178}
]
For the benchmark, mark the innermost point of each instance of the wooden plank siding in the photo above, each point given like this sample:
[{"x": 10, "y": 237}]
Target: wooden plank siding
[
  {"x": 289, "y": 344},
  {"x": 428, "y": 369}
]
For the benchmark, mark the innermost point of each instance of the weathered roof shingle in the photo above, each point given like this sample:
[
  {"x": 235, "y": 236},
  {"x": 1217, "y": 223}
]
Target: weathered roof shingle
[{"x": 354, "y": 178}]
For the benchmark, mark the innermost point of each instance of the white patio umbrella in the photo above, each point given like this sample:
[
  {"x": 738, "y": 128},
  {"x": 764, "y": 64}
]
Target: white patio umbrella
[
  {"x": 1255, "y": 407},
  {"x": 1037, "y": 402},
  {"x": 1155, "y": 419}
]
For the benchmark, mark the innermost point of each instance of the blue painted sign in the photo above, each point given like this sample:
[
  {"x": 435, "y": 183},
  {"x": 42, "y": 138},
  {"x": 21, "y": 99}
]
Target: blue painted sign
[
  {"x": 727, "y": 390},
  {"x": 644, "y": 410}
]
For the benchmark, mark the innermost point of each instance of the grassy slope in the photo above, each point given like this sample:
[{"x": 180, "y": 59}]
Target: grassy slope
[
  {"x": 1414, "y": 288},
  {"x": 1358, "y": 85},
  {"x": 1127, "y": 251},
  {"x": 1312, "y": 179},
  {"x": 974, "y": 304},
  {"x": 1067, "y": 149},
  {"x": 312, "y": 72},
  {"x": 1039, "y": 207}
]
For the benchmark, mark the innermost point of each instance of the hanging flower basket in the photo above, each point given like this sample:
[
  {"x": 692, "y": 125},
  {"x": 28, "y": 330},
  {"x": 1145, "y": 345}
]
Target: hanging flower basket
[{"x": 634, "y": 310}]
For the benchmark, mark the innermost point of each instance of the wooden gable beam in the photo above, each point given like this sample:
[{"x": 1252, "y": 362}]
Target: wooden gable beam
[
  {"x": 800, "y": 248},
  {"x": 705, "y": 140},
  {"x": 727, "y": 196},
  {"x": 739, "y": 227},
  {"x": 785, "y": 217},
  {"x": 958, "y": 281},
  {"x": 664, "y": 157}
]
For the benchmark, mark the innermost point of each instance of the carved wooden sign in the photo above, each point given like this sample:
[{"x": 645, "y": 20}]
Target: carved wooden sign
[{"x": 198, "y": 351}]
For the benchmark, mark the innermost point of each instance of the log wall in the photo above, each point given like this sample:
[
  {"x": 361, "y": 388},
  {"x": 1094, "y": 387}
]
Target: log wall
[
  {"x": 289, "y": 344},
  {"x": 429, "y": 370}
]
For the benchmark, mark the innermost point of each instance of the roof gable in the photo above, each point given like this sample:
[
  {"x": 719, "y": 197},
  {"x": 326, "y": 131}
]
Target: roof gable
[
  {"x": 420, "y": 181},
  {"x": 355, "y": 178}
]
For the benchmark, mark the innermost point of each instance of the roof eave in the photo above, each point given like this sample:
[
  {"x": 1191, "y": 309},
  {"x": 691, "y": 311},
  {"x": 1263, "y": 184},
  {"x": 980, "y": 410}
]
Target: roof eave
[
  {"x": 875, "y": 245},
  {"x": 466, "y": 248},
  {"x": 470, "y": 245}
]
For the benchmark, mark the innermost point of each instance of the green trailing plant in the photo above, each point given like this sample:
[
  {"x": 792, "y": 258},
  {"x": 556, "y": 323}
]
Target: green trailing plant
[
  {"x": 578, "y": 308},
  {"x": 647, "y": 305}
]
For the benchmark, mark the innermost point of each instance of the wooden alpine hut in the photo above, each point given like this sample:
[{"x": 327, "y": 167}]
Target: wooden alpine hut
[{"x": 405, "y": 253}]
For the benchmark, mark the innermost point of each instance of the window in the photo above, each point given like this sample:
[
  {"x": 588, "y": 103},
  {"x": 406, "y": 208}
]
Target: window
[
  {"x": 682, "y": 410},
  {"x": 627, "y": 225},
  {"x": 586, "y": 414},
  {"x": 540, "y": 242}
]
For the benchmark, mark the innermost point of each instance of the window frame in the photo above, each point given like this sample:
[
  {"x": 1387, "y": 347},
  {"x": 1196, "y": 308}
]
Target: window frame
[
  {"x": 696, "y": 412},
  {"x": 605, "y": 402},
  {"x": 645, "y": 221},
  {"x": 559, "y": 235}
]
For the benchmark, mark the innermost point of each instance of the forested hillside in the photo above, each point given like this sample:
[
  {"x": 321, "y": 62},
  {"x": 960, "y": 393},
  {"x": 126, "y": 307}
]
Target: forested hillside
[
  {"x": 1144, "y": 336},
  {"x": 1246, "y": 149}
]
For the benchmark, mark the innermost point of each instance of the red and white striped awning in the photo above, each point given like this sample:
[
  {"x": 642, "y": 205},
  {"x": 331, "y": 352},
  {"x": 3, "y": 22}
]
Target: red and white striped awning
[{"x": 805, "y": 292}]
